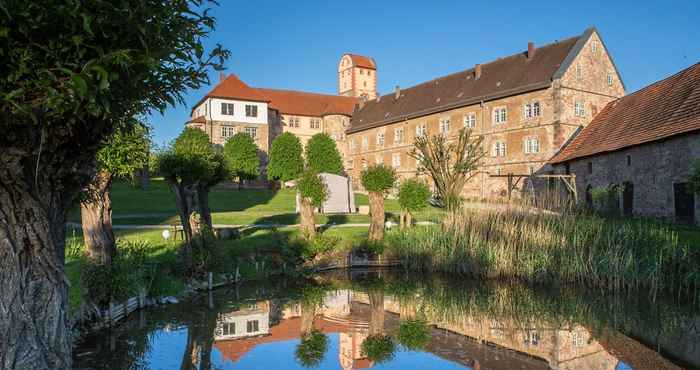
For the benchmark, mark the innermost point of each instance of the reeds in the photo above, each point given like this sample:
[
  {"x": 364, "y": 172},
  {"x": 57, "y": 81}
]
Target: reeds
[{"x": 616, "y": 254}]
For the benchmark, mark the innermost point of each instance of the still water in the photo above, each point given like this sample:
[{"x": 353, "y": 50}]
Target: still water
[{"x": 391, "y": 320}]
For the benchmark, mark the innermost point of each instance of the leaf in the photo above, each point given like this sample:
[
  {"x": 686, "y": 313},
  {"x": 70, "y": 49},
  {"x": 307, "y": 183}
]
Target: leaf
[{"x": 79, "y": 85}]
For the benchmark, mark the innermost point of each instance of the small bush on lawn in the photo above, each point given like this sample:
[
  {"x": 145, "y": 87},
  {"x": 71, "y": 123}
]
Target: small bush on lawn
[
  {"x": 318, "y": 245},
  {"x": 378, "y": 348},
  {"x": 128, "y": 273}
]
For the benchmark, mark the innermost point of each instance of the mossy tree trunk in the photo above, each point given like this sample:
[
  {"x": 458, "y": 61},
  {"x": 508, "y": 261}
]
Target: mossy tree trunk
[
  {"x": 376, "y": 303},
  {"x": 308, "y": 223},
  {"x": 376, "y": 210},
  {"x": 96, "y": 217}
]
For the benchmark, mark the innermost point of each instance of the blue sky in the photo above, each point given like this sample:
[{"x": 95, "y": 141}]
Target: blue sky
[{"x": 296, "y": 44}]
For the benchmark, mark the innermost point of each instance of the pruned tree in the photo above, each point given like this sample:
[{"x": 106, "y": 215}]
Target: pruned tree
[
  {"x": 313, "y": 191},
  {"x": 241, "y": 153},
  {"x": 377, "y": 181},
  {"x": 286, "y": 162},
  {"x": 185, "y": 166},
  {"x": 72, "y": 72},
  {"x": 413, "y": 196},
  {"x": 450, "y": 164},
  {"x": 124, "y": 152},
  {"x": 322, "y": 155},
  {"x": 218, "y": 172}
]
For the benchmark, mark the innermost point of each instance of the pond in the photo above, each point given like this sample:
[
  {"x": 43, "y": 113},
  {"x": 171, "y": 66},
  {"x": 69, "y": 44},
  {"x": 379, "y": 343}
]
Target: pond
[{"x": 392, "y": 320}]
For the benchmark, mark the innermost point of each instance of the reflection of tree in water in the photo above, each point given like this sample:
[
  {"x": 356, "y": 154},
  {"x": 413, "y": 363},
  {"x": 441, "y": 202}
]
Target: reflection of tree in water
[
  {"x": 313, "y": 344},
  {"x": 201, "y": 324}
]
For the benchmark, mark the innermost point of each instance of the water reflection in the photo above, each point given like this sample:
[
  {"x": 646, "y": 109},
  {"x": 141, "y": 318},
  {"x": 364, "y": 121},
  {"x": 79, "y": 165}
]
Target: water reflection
[{"x": 390, "y": 321}]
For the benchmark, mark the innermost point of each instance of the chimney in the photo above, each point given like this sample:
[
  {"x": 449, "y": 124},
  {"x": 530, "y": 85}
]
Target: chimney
[
  {"x": 222, "y": 76},
  {"x": 477, "y": 71},
  {"x": 530, "y": 50},
  {"x": 397, "y": 92}
]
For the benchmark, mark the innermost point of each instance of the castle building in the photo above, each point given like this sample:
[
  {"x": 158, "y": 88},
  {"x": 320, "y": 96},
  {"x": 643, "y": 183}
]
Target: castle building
[
  {"x": 357, "y": 76},
  {"x": 525, "y": 106}
]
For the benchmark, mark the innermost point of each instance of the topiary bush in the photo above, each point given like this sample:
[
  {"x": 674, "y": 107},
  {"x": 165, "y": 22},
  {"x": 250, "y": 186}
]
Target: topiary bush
[
  {"x": 378, "y": 178},
  {"x": 378, "y": 348},
  {"x": 322, "y": 155},
  {"x": 286, "y": 162},
  {"x": 241, "y": 154}
]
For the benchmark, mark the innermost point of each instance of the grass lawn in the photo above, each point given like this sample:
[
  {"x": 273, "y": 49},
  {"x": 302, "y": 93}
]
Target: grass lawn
[{"x": 132, "y": 206}]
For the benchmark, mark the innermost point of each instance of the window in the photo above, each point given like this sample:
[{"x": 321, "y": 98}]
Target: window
[
  {"x": 579, "y": 110},
  {"x": 577, "y": 340},
  {"x": 532, "y": 110},
  {"x": 579, "y": 71},
  {"x": 365, "y": 143},
  {"x": 293, "y": 121},
  {"x": 629, "y": 160},
  {"x": 470, "y": 120},
  {"x": 445, "y": 126},
  {"x": 227, "y": 109},
  {"x": 380, "y": 139},
  {"x": 398, "y": 136},
  {"x": 396, "y": 160},
  {"x": 252, "y": 132},
  {"x": 252, "y": 326},
  {"x": 421, "y": 130},
  {"x": 315, "y": 123},
  {"x": 531, "y": 337},
  {"x": 590, "y": 168},
  {"x": 369, "y": 73},
  {"x": 379, "y": 160},
  {"x": 251, "y": 110},
  {"x": 229, "y": 328},
  {"x": 532, "y": 145},
  {"x": 499, "y": 149},
  {"x": 594, "y": 46},
  {"x": 610, "y": 79},
  {"x": 227, "y": 131},
  {"x": 500, "y": 115},
  {"x": 364, "y": 163},
  {"x": 362, "y": 71}
]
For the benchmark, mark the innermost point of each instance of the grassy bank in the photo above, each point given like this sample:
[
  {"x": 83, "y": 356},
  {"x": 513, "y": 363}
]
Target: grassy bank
[{"x": 581, "y": 249}]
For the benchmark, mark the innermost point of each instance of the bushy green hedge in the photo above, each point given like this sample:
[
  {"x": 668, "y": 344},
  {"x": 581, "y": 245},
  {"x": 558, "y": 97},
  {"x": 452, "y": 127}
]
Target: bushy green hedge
[
  {"x": 378, "y": 178},
  {"x": 286, "y": 162},
  {"x": 322, "y": 155}
]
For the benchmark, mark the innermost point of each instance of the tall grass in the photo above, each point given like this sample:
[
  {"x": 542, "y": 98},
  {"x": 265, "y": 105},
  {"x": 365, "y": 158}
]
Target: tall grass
[{"x": 581, "y": 249}]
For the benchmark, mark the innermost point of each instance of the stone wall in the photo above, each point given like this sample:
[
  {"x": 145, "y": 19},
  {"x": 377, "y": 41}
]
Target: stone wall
[{"x": 651, "y": 168}]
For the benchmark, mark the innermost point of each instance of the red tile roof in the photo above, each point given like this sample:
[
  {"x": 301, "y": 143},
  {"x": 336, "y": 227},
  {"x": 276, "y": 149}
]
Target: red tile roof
[
  {"x": 233, "y": 88},
  {"x": 199, "y": 119},
  {"x": 308, "y": 104},
  {"x": 664, "y": 109},
  {"x": 503, "y": 77},
  {"x": 362, "y": 61}
]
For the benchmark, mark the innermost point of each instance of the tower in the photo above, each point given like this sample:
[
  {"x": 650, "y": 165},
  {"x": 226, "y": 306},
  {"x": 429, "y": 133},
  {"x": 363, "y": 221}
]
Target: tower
[{"x": 357, "y": 76}]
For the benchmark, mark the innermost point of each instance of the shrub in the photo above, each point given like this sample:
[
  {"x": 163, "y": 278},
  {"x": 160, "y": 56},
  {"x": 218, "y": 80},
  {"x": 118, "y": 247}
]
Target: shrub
[
  {"x": 378, "y": 348},
  {"x": 312, "y": 186},
  {"x": 606, "y": 199},
  {"x": 378, "y": 178},
  {"x": 413, "y": 195},
  {"x": 318, "y": 245},
  {"x": 312, "y": 349},
  {"x": 694, "y": 180},
  {"x": 322, "y": 155},
  {"x": 285, "y": 162},
  {"x": 242, "y": 156},
  {"x": 414, "y": 334}
]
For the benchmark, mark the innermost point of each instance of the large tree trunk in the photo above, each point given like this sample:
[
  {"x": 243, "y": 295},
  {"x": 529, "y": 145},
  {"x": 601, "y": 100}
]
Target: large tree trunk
[
  {"x": 376, "y": 303},
  {"x": 308, "y": 313},
  {"x": 308, "y": 223},
  {"x": 184, "y": 199},
  {"x": 376, "y": 210},
  {"x": 34, "y": 296},
  {"x": 203, "y": 206},
  {"x": 96, "y": 216}
]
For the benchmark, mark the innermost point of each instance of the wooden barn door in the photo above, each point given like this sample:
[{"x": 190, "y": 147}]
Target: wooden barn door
[
  {"x": 684, "y": 202},
  {"x": 627, "y": 198}
]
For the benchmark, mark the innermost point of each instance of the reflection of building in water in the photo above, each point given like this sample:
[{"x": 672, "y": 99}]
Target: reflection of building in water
[{"x": 465, "y": 339}]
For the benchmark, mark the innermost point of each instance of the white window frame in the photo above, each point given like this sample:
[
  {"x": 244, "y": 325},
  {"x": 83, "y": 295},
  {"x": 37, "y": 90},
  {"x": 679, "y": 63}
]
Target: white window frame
[
  {"x": 532, "y": 145},
  {"x": 421, "y": 130},
  {"x": 227, "y": 109},
  {"x": 594, "y": 46},
  {"x": 498, "y": 149},
  {"x": 380, "y": 139},
  {"x": 444, "y": 124},
  {"x": 364, "y": 163},
  {"x": 500, "y": 115},
  {"x": 579, "y": 109},
  {"x": 252, "y": 326},
  {"x": 252, "y": 132},
  {"x": 532, "y": 110},
  {"x": 398, "y": 135},
  {"x": 228, "y": 328},
  {"x": 396, "y": 160},
  {"x": 579, "y": 71},
  {"x": 251, "y": 110},
  {"x": 610, "y": 79},
  {"x": 365, "y": 143},
  {"x": 469, "y": 120},
  {"x": 227, "y": 131}
]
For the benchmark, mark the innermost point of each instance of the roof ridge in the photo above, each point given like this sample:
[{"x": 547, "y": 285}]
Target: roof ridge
[{"x": 304, "y": 92}]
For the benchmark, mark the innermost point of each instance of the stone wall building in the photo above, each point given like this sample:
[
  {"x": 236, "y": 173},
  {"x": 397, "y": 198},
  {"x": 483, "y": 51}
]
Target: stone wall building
[
  {"x": 525, "y": 106},
  {"x": 645, "y": 143}
]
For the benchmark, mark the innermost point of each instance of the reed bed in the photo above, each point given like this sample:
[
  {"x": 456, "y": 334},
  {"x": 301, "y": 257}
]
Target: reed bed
[{"x": 615, "y": 254}]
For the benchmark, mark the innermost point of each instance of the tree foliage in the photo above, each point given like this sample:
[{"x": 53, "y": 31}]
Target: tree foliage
[
  {"x": 322, "y": 155},
  {"x": 413, "y": 195},
  {"x": 126, "y": 151},
  {"x": 312, "y": 348},
  {"x": 378, "y": 348},
  {"x": 286, "y": 162},
  {"x": 189, "y": 159},
  {"x": 312, "y": 186},
  {"x": 450, "y": 164},
  {"x": 378, "y": 178},
  {"x": 242, "y": 156},
  {"x": 694, "y": 180},
  {"x": 414, "y": 334}
]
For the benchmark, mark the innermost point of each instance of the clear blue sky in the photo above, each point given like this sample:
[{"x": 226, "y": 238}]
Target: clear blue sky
[{"x": 296, "y": 44}]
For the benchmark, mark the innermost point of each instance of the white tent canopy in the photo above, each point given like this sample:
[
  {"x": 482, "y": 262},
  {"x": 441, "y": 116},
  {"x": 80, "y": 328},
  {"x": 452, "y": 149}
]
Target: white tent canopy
[{"x": 341, "y": 198}]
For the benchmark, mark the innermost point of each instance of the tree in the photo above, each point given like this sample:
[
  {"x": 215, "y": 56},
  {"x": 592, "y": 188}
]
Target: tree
[
  {"x": 242, "y": 156},
  {"x": 312, "y": 193},
  {"x": 322, "y": 155},
  {"x": 694, "y": 180},
  {"x": 124, "y": 152},
  {"x": 413, "y": 196},
  {"x": 188, "y": 166},
  {"x": 73, "y": 71},
  {"x": 217, "y": 173},
  {"x": 449, "y": 164},
  {"x": 285, "y": 162},
  {"x": 377, "y": 180}
]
